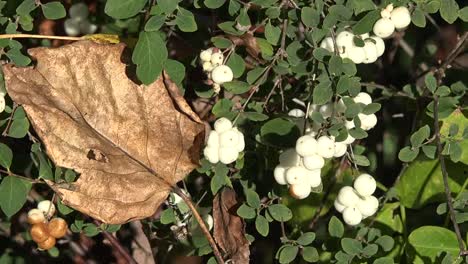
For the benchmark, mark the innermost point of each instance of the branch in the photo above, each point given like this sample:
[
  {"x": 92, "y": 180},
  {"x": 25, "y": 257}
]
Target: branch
[
  {"x": 116, "y": 244},
  {"x": 440, "y": 74}
]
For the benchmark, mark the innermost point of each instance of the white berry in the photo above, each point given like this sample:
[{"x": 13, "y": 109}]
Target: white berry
[
  {"x": 401, "y": 17},
  {"x": 217, "y": 58},
  {"x": 228, "y": 155},
  {"x": 380, "y": 45},
  {"x": 213, "y": 139},
  {"x": 389, "y": 7},
  {"x": 79, "y": 11},
  {"x": 209, "y": 221},
  {"x": 207, "y": 66},
  {"x": 363, "y": 98},
  {"x": 368, "y": 206},
  {"x": 357, "y": 54},
  {"x": 280, "y": 175},
  {"x": 340, "y": 149},
  {"x": 205, "y": 55},
  {"x": 338, "y": 206},
  {"x": 222, "y": 74},
  {"x": 306, "y": 146},
  {"x": 47, "y": 207},
  {"x": 345, "y": 39},
  {"x": 313, "y": 162},
  {"x": 289, "y": 158},
  {"x": 352, "y": 216},
  {"x": 326, "y": 110},
  {"x": 87, "y": 27},
  {"x": 72, "y": 27},
  {"x": 2, "y": 103},
  {"x": 327, "y": 43},
  {"x": 313, "y": 178},
  {"x": 296, "y": 175},
  {"x": 365, "y": 185},
  {"x": 325, "y": 147},
  {"x": 223, "y": 124},
  {"x": 385, "y": 13},
  {"x": 368, "y": 121},
  {"x": 299, "y": 191},
  {"x": 349, "y": 140},
  {"x": 211, "y": 154},
  {"x": 240, "y": 140},
  {"x": 370, "y": 50},
  {"x": 364, "y": 36},
  {"x": 296, "y": 113},
  {"x": 228, "y": 138},
  {"x": 383, "y": 28},
  {"x": 347, "y": 196}
]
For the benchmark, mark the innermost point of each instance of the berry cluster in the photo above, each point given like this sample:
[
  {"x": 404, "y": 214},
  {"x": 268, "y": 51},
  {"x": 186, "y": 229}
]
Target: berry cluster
[
  {"x": 45, "y": 232},
  {"x": 357, "y": 203},
  {"x": 373, "y": 47},
  {"x": 391, "y": 19},
  {"x": 78, "y": 23},
  {"x": 212, "y": 61},
  {"x": 224, "y": 142}
]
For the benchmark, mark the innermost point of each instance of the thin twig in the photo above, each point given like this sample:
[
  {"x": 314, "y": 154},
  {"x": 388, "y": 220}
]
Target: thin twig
[
  {"x": 9, "y": 173},
  {"x": 10, "y": 120},
  {"x": 117, "y": 245}
]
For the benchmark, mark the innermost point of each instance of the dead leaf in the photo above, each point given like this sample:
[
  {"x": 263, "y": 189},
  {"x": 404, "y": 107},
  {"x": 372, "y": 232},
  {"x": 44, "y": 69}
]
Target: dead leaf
[
  {"x": 229, "y": 228},
  {"x": 250, "y": 42},
  {"x": 130, "y": 143}
]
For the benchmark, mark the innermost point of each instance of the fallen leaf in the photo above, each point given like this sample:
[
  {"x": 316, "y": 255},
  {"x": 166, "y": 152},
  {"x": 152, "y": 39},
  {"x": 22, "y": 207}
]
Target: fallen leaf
[
  {"x": 131, "y": 143},
  {"x": 229, "y": 228}
]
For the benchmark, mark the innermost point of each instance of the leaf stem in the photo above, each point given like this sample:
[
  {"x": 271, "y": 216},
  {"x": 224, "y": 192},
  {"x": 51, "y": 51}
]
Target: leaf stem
[{"x": 9, "y": 173}]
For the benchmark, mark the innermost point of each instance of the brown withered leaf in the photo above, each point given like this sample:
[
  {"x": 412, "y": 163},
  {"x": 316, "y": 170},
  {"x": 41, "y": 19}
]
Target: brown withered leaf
[
  {"x": 229, "y": 228},
  {"x": 129, "y": 142}
]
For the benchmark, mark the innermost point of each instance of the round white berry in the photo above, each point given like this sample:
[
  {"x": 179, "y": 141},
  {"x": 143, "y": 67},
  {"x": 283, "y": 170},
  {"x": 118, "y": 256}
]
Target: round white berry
[
  {"x": 389, "y": 7},
  {"x": 385, "y": 13},
  {"x": 340, "y": 149},
  {"x": 211, "y": 154},
  {"x": 365, "y": 185},
  {"x": 364, "y": 36},
  {"x": 299, "y": 191},
  {"x": 229, "y": 138},
  {"x": 217, "y": 58},
  {"x": 344, "y": 39},
  {"x": 356, "y": 54},
  {"x": 313, "y": 178},
  {"x": 352, "y": 216},
  {"x": 296, "y": 113},
  {"x": 72, "y": 27},
  {"x": 326, "y": 110},
  {"x": 401, "y": 17},
  {"x": 325, "y": 147},
  {"x": 240, "y": 140},
  {"x": 213, "y": 139},
  {"x": 228, "y": 155},
  {"x": 347, "y": 196},
  {"x": 87, "y": 27},
  {"x": 368, "y": 206},
  {"x": 327, "y": 43},
  {"x": 306, "y": 146},
  {"x": 296, "y": 175},
  {"x": 371, "y": 52},
  {"x": 349, "y": 124},
  {"x": 205, "y": 55},
  {"x": 208, "y": 219},
  {"x": 47, "y": 207},
  {"x": 79, "y": 11},
  {"x": 207, "y": 66},
  {"x": 280, "y": 175},
  {"x": 380, "y": 45},
  {"x": 289, "y": 158},
  {"x": 338, "y": 206},
  {"x": 349, "y": 140},
  {"x": 223, "y": 124},
  {"x": 368, "y": 121},
  {"x": 2, "y": 103},
  {"x": 313, "y": 162},
  {"x": 383, "y": 28},
  {"x": 363, "y": 98},
  {"x": 222, "y": 74}
]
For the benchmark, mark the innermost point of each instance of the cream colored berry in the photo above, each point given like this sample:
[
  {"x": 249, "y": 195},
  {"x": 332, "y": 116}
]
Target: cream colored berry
[
  {"x": 325, "y": 147},
  {"x": 213, "y": 139},
  {"x": 205, "y": 55},
  {"x": 352, "y": 216},
  {"x": 72, "y": 27},
  {"x": 340, "y": 149},
  {"x": 380, "y": 45},
  {"x": 385, "y": 13},
  {"x": 368, "y": 206},
  {"x": 383, "y": 28},
  {"x": 389, "y": 7},
  {"x": 370, "y": 49},
  {"x": 47, "y": 207},
  {"x": 228, "y": 155},
  {"x": 207, "y": 66},
  {"x": 313, "y": 162},
  {"x": 211, "y": 154},
  {"x": 349, "y": 140},
  {"x": 36, "y": 216},
  {"x": 299, "y": 191},
  {"x": 327, "y": 43},
  {"x": 280, "y": 175},
  {"x": 338, "y": 206},
  {"x": 222, "y": 74},
  {"x": 209, "y": 221},
  {"x": 222, "y": 124},
  {"x": 229, "y": 138},
  {"x": 313, "y": 178},
  {"x": 401, "y": 17},
  {"x": 306, "y": 146},
  {"x": 2, "y": 104},
  {"x": 240, "y": 140},
  {"x": 217, "y": 58},
  {"x": 347, "y": 196},
  {"x": 326, "y": 110},
  {"x": 368, "y": 121},
  {"x": 365, "y": 185},
  {"x": 296, "y": 113},
  {"x": 86, "y": 27},
  {"x": 363, "y": 98},
  {"x": 344, "y": 39},
  {"x": 296, "y": 175},
  {"x": 357, "y": 54}
]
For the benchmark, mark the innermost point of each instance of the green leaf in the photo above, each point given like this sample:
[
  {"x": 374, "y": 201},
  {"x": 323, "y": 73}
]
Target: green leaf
[
  {"x": 310, "y": 254},
  {"x": 6, "y": 156},
  {"x": 463, "y": 14},
  {"x": 220, "y": 178},
  {"x": 18, "y": 58},
  {"x": 371, "y": 108},
  {"x": 214, "y": 4},
  {"x": 122, "y": 9},
  {"x": 252, "y": 198},
  {"x": 91, "y": 230},
  {"x": 386, "y": 242},
  {"x": 280, "y": 212},
  {"x": 19, "y": 128},
  {"x": 429, "y": 241},
  {"x": 431, "y": 82},
  {"x": 288, "y": 254},
  {"x": 254, "y": 75},
  {"x": 63, "y": 209},
  {"x": 168, "y": 216},
  {"x": 13, "y": 194},
  {"x": 272, "y": 34},
  {"x": 53, "y": 10},
  {"x": 351, "y": 246},
  {"x": 449, "y": 10},
  {"x": 386, "y": 217},
  {"x": 262, "y": 225},
  {"x": 420, "y": 136},
  {"x": 168, "y": 6},
  {"x": 246, "y": 212},
  {"x": 335, "y": 227},
  {"x": 281, "y": 132},
  {"x": 70, "y": 175},
  {"x": 292, "y": 50},
  {"x": 237, "y": 65},
  {"x": 310, "y": 17},
  {"x": 222, "y": 43},
  {"x": 222, "y": 107},
  {"x": 149, "y": 55},
  {"x": 26, "y": 7},
  {"x": 155, "y": 23},
  {"x": 360, "y": 6},
  {"x": 255, "y": 116},
  {"x": 334, "y": 65},
  {"x": 306, "y": 239},
  {"x": 457, "y": 117},
  {"x": 384, "y": 260},
  {"x": 370, "y": 250},
  {"x": 367, "y": 22},
  {"x": 237, "y": 87},
  {"x": 418, "y": 18},
  {"x": 176, "y": 70},
  {"x": 185, "y": 20},
  {"x": 407, "y": 154},
  {"x": 322, "y": 93}
]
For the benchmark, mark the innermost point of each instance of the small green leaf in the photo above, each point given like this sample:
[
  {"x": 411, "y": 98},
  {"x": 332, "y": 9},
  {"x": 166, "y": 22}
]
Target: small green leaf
[
  {"x": 176, "y": 70},
  {"x": 13, "y": 194},
  {"x": 122, "y": 9},
  {"x": 288, "y": 254},
  {"x": 252, "y": 198},
  {"x": 431, "y": 82},
  {"x": 255, "y": 116},
  {"x": 53, "y": 10},
  {"x": 222, "y": 107},
  {"x": 280, "y": 212},
  {"x": 449, "y": 10},
  {"x": 371, "y": 108},
  {"x": 91, "y": 230},
  {"x": 237, "y": 65},
  {"x": 386, "y": 242},
  {"x": 26, "y": 7},
  {"x": 214, "y": 4},
  {"x": 335, "y": 227},
  {"x": 418, "y": 18},
  {"x": 272, "y": 34},
  {"x": 19, "y": 128},
  {"x": 370, "y": 250},
  {"x": 463, "y": 14},
  {"x": 310, "y": 254},
  {"x": 351, "y": 246},
  {"x": 168, "y": 216},
  {"x": 262, "y": 225},
  {"x": 6, "y": 156},
  {"x": 185, "y": 20},
  {"x": 168, "y": 6},
  {"x": 63, "y": 209},
  {"x": 306, "y": 239},
  {"x": 419, "y": 136},
  {"x": 18, "y": 58},
  {"x": 367, "y": 22},
  {"x": 155, "y": 23},
  {"x": 407, "y": 154},
  {"x": 237, "y": 87},
  {"x": 322, "y": 93},
  {"x": 310, "y": 17},
  {"x": 246, "y": 212},
  {"x": 149, "y": 55}
]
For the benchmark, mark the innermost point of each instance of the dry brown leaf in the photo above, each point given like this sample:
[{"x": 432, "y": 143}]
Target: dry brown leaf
[
  {"x": 229, "y": 228},
  {"x": 116, "y": 134}
]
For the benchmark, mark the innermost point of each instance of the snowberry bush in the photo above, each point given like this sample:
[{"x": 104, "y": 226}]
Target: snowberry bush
[{"x": 321, "y": 131}]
